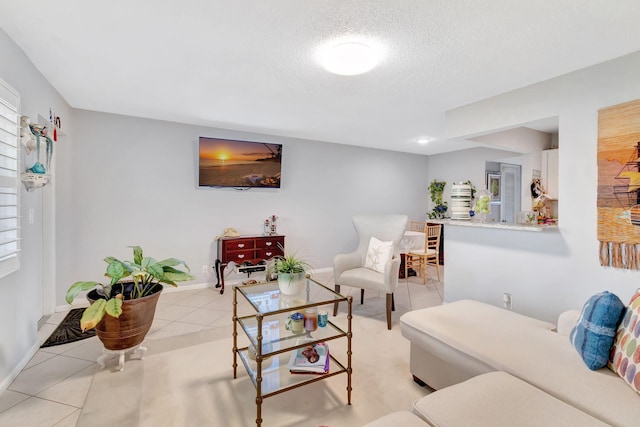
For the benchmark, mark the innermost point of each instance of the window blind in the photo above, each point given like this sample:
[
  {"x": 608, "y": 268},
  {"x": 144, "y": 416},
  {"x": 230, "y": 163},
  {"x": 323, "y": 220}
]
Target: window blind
[{"x": 9, "y": 180}]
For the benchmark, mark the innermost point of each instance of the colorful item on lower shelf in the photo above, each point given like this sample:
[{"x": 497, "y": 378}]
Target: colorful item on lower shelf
[{"x": 312, "y": 359}]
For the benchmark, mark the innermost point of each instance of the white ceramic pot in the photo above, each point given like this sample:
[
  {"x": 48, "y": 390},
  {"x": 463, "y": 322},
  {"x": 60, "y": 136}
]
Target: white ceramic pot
[
  {"x": 291, "y": 283},
  {"x": 460, "y": 201}
]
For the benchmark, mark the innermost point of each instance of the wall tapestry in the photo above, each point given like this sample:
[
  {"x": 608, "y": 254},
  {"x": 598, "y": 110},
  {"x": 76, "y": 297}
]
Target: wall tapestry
[{"x": 619, "y": 185}]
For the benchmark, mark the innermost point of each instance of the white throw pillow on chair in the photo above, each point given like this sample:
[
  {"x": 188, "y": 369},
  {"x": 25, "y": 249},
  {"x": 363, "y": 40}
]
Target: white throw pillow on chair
[{"x": 378, "y": 254}]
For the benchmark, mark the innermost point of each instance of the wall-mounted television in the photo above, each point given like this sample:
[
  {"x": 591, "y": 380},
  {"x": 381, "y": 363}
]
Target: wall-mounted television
[{"x": 234, "y": 163}]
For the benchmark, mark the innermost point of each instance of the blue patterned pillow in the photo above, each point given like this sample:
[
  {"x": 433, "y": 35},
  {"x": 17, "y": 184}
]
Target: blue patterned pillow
[{"x": 595, "y": 332}]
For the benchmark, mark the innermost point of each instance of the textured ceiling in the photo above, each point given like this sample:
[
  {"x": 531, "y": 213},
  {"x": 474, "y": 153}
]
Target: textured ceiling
[{"x": 250, "y": 65}]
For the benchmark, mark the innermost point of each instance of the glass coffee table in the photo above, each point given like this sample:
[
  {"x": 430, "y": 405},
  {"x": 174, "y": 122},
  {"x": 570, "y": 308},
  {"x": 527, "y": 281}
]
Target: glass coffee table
[{"x": 272, "y": 341}]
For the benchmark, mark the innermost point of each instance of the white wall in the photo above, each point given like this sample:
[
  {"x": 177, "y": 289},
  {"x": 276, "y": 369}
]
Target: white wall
[
  {"x": 134, "y": 181},
  {"x": 22, "y": 301},
  {"x": 120, "y": 181},
  {"x": 520, "y": 140},
  {"x": 523, "y": 140},
  {"x": 460, "y": 166},
  {"x": 552, "y": 271}
]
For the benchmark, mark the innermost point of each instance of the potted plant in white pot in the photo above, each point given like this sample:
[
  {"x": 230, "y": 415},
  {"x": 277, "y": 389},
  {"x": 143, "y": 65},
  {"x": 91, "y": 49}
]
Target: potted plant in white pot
[
  {"x": 122, "y": 311},
  {"x": 292, "y": 272}
]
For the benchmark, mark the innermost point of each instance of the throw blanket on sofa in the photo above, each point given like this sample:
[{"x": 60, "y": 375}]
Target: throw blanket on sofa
[{"x": 619, "y": 185}]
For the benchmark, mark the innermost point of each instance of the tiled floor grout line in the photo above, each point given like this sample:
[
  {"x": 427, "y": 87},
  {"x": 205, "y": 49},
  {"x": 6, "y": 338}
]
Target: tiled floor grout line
[{"x": 224, "y": 301}]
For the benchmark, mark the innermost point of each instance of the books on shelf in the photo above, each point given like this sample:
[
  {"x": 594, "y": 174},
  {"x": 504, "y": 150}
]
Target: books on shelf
[{"x": 312, "y": 359}]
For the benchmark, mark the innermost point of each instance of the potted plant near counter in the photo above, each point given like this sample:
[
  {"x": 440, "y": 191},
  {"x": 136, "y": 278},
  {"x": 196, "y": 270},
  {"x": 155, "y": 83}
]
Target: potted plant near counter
[
  {"x": 122, "y": 310},
  {"x": 436, "y": 188},
  {"x": 292, "y": 272}
]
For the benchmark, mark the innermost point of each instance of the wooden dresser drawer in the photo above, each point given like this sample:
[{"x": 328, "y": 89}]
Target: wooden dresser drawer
[
  {"x": 267, "y": 254},
  {"x": 270, "y": 242},
  {"x": 241, "y": 256},
  {"x": 239, "y": 244}
]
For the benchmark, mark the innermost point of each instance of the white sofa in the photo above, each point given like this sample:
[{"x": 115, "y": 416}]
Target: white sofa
[
  {"x": 496, "y": 399},
  {"x": 456, "y": 342}
]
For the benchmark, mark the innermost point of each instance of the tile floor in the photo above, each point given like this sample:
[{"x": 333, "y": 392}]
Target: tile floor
[{"x": 51, "y": 389}]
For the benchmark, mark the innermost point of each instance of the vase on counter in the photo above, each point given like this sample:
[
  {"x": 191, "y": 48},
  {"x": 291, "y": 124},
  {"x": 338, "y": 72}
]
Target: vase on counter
[
  {"x": 460, "y": 201},
  {"x": 483, "y": 205}
]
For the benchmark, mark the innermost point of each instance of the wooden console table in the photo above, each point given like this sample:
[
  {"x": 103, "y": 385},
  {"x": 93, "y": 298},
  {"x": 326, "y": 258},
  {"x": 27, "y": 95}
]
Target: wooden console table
[{"x": 245, "y": 250}]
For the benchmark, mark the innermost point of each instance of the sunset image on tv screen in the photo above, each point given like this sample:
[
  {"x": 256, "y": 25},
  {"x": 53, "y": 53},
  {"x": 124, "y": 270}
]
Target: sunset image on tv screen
[{"x": 230, "y": 163}]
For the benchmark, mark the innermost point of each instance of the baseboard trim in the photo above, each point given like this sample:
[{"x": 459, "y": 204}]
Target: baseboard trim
[
  {"x": 6, "y": 382},
  {"x": 81, "y": 300}
]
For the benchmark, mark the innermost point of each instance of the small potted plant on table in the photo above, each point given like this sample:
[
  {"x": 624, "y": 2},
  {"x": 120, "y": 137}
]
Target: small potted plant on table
[{"x": 292, "y": 271}]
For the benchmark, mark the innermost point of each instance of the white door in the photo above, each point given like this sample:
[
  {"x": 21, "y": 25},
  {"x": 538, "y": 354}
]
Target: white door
[{"x": 509, "y": 192}]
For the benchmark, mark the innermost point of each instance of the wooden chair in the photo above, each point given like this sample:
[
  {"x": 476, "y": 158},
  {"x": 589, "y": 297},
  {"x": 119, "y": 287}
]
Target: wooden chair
[
  {"x": 417, "y": 226},
  {"x": 420, "y": 259}
]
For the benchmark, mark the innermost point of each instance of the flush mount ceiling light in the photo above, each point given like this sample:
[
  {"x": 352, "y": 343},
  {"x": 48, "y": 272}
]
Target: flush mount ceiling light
[
  {"x": 349, "y": 58},
  {"x": 424, "y": 140}
]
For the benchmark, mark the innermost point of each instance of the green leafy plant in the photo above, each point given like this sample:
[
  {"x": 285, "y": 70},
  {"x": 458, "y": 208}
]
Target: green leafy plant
[
  {"x": 146, "y": 274},
  {"x": 436, "y": 188},
  {"x": 289, "y": 264},
  {"x": 473, "y": 189}
]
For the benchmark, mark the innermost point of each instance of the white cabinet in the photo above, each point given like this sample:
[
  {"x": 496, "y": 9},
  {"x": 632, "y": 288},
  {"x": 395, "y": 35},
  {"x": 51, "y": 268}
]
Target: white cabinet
[{"x": 549, "y": 171}]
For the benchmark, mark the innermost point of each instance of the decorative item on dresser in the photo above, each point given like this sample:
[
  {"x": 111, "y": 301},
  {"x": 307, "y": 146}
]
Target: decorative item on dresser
[{"x": 249, "y": 253}]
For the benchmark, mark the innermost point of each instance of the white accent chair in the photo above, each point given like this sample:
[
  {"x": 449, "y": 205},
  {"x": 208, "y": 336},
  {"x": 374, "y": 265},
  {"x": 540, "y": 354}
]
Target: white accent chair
[{"x": 349, "y": 269}]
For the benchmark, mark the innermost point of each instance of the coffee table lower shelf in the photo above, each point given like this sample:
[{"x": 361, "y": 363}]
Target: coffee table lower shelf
[
  {"x": 277, "y": 379},
  {"x": 267, "y": 330}
]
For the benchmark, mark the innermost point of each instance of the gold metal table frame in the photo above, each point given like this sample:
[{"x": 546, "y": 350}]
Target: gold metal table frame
[{"x": 273, "y": 343}]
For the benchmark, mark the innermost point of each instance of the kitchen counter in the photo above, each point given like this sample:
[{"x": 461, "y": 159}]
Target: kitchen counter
[{"x": 494, "y": 225}]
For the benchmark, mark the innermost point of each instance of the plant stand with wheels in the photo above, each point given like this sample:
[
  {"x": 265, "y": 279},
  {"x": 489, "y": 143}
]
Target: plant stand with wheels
[{"x": 106, "y": 353}]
